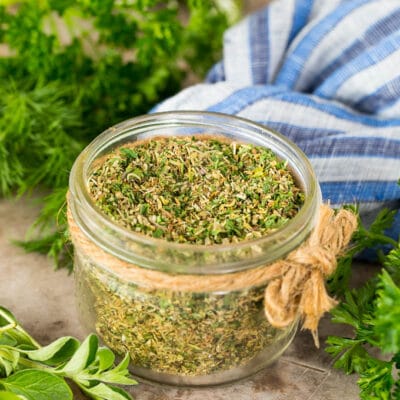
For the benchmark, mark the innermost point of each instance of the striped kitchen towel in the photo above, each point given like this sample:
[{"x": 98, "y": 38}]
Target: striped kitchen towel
[{"x": 325, "y": 73}]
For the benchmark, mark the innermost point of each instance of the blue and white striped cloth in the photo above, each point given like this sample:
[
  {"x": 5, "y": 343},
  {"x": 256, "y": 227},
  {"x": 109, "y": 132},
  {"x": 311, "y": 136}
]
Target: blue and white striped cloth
[{"x": 325, "y": 73}]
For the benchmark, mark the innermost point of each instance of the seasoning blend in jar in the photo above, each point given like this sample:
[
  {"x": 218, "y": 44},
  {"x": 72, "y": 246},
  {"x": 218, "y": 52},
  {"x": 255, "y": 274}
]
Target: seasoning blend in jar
[{"x": 176, "y": 218}]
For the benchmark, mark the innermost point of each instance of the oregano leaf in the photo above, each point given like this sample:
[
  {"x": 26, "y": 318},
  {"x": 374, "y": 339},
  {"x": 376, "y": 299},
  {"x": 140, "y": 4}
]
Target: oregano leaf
[
  {"x": 10, "y": 396},
  {"x": 37, "y": 385},
  {"x": 106, "y": 392},
  {"x": 83, "y": 356},
  {"x": 58, "y": 351}
]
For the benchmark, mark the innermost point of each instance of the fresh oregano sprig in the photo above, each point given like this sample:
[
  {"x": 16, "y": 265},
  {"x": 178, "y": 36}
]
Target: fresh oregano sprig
[{"x": 31, "y": 372}]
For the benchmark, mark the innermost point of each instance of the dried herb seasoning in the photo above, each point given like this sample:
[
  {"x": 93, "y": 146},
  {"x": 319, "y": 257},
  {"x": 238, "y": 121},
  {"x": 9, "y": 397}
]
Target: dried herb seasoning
[
  {"x": 187, "y": 334},
  {"x": 202, "y": 190}
]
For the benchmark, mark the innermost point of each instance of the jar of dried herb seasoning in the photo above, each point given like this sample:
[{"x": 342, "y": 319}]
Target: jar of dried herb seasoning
[{"x": 186, "y": 303}]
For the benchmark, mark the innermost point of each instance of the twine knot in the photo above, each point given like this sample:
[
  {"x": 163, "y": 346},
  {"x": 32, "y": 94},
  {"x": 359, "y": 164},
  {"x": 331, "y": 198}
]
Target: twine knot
[{"x": 300, "y": 290}]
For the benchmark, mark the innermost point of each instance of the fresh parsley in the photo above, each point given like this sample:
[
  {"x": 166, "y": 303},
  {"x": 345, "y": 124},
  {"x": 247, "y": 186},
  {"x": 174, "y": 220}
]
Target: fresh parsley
[{"x": 373, "y": 312}]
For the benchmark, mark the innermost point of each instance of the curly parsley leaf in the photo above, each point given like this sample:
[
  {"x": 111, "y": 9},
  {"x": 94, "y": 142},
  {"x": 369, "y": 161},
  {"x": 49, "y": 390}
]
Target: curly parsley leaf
[
  {"x": 373, "y": 312},
  {"x": 387, "y": 314},
  {"x": 376, "y": 381}
]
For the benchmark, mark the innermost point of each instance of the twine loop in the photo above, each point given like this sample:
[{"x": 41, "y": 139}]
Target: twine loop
[
  {"x": 295, "y": 285},
  {"x": 300, "y": 289}
]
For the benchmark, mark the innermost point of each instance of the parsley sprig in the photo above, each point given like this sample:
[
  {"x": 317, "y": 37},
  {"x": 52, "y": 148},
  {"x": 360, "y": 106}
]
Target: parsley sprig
[
  {"x": 373, "y": 312},
  {"x": 29, "y": 371}
]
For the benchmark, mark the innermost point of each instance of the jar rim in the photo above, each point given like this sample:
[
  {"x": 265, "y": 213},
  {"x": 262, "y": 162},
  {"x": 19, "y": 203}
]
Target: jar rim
[{"x": 83, "y": 208}]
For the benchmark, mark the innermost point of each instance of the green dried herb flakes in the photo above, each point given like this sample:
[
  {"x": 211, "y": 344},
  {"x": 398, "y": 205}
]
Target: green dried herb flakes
[
  {"x": 178, "y": 333},
  {"x": 196, "y": 190},
  {"x": 201, "y": 190}
]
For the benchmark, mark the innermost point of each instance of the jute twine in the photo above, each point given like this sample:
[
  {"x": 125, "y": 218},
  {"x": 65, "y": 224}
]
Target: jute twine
[{"x": 296, "y": 284}]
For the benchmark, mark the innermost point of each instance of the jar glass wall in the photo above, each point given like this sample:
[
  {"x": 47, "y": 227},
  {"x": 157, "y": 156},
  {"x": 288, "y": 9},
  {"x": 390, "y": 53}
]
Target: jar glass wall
[{"x": 184, "y": 337}]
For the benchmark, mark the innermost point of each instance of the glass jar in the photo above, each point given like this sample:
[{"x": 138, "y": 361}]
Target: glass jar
[{"x": 178, "y": 336}]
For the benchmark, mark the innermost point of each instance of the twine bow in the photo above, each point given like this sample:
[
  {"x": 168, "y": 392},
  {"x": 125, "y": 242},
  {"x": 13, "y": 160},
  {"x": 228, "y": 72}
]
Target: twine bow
[{"x": 299, "y": 289}]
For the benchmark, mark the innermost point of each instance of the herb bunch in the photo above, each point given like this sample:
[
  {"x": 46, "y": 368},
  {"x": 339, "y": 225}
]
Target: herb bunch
[
  {"x": 73, "y": 68},
  {"x": 373, "y": 313},
  {"x": 31, "y": 372}
]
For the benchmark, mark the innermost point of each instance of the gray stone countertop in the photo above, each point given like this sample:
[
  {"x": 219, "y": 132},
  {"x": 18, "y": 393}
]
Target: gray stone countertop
[{"x": 43, "y": 301}]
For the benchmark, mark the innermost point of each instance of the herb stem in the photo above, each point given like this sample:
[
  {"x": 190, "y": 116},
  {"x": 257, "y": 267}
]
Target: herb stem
[
  {"x": 12, "y": 323},
  {"x": 377, "y": 237},
  {"x": 36, "y": 365},
  {"x": 381, "y": 238},
  {"x": 10, "y": 326}
]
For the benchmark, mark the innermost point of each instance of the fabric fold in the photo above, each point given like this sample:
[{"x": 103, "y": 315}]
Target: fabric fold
[{"x": 326, "y": 75}]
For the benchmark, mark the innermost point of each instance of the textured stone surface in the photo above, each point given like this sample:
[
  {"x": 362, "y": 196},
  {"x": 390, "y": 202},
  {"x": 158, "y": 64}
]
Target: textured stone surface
[{"x": 43, "y": 300}]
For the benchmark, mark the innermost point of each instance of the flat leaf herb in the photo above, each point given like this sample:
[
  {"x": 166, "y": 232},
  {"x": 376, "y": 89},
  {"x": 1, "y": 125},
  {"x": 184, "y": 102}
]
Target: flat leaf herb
[{"x": 31, "y": 372}]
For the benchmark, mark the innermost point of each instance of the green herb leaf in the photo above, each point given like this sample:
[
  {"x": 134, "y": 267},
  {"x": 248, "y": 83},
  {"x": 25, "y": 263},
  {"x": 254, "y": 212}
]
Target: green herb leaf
[
  {"x": 10, "y": 331},
  {"x": 351, "y": 356},
  {"x": 37, "y": 385},
  {"x": 59, "y": 351},
  {"x": 121, "y": 368},
  {"x": 6, "y": 317},
  {"x": 104, "y": 392},
  {"x": 392, "y": 264},
  {"x": 84, "y": 356},
  {"x": 376, "y": 382},
  {"x": 128, "y": 153},
  {"x": 383, "y": 221},
  {"x": 10, "y": 396},
  {"x": 373, "y": 312},
  {"x": 117, "y": 375},
  {"x": 387, "y": 314},
  {"x": 8, "y": 361},
  {"x": 28, "y": 368},
  {"x": 105, "y": 358},
  {"x": 56, "y": 97}
]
